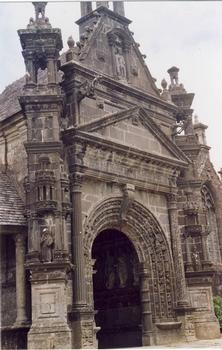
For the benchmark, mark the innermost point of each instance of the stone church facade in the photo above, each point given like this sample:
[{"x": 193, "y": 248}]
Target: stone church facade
[{"x": 110, "y": 209}]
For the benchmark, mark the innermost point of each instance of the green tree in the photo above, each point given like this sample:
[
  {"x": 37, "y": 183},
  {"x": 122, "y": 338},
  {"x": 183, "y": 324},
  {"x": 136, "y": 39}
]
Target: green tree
[{"x": 218, "y": 309}]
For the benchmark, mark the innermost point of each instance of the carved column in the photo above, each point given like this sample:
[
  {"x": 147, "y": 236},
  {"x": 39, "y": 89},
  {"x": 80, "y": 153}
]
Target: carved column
[
  {"x": 20, "y": 279},
  {"x": 181, "y": 289},
  {"x": 206, "y": 263},
  {"x": 79, "y": 283},
  {"x": 147, "y": 323},
  {"x": 189, "y": 263},
  {"x": 51, "y": 71}
]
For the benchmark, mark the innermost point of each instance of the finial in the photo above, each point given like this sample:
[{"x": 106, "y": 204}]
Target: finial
[
  {"x": 102, "y": 3},
  {"x": 86, "y": 8},
  {"x": 71, "y": 42},
  {"x": 118, "y": 7},
  {"x": 164, "y": 84},
  {"x": 40, "y": 19},
  {"x": 173, "y": 72},
  {"x": 39, "y": 10},
  {"x": 196, "y": 119}
]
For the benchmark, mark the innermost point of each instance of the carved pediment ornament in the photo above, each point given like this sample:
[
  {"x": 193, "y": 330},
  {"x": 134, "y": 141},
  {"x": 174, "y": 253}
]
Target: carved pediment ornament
[
  {"x": 118, "y": 37},
  {"x": 87, "y": 89}
]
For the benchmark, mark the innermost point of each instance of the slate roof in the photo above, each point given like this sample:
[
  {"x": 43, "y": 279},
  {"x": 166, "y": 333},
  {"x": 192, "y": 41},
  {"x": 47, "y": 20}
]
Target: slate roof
[
  {"x": 9, "y": 103},
  {"x": 11, "y": 206}
]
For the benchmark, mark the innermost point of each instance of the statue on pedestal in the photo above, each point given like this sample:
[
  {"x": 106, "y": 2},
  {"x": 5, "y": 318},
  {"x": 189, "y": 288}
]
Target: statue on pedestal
[{"x": 46, "y": 243}]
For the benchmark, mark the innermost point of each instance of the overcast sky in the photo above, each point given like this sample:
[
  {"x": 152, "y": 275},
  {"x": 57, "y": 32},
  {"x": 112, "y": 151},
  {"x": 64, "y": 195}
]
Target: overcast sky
[{"x": 180, "y": 33}]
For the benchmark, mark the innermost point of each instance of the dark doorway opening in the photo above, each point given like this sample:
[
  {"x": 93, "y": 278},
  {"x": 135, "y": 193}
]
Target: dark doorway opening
[{"x": 116, "y": 291}]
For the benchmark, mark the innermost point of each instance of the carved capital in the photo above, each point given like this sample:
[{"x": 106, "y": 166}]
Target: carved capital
[
  {"x": 77, "y": 153},
  {"x": 172, "y": 200},
  {"x": 76, "y": 180},
  {"x": 20, "y": 239}
]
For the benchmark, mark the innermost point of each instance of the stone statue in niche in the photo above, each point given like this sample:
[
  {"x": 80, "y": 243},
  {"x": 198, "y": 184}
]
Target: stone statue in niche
[
  {"x": 196, "y": 259},
  {"x": 119, "y": 58},
  {"x": 46, "y": 244},
  {"x": 135, "y": 271},
  {"x": 122, "y": 270},
  {"x": 110, "y": 274}
]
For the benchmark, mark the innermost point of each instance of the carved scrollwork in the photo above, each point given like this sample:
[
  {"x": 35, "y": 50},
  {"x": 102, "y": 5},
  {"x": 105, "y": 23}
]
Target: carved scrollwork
[
  {"x": 87, "y": 89},
  {"x": 149, "y": 241},
  {"x": 76, "y": 179}
]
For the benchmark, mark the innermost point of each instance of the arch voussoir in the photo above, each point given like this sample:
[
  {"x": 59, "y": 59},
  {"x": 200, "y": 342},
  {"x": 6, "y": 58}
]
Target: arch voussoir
[{"x": 149, "y": 241}]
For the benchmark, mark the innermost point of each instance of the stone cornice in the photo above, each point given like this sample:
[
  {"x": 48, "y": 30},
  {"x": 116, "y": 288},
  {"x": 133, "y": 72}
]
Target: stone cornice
[
  {"x": 106, "y": 11},
  {"x": 72, "y": 136},
  {"x": 43, "y": 147},
  {"x": 35, "y": 98},
  {"x": 13, "y": 229},
  {"x": 107, "y": 120},
  {"x": 114, "y": 84},
  {"x": 139, "y": 184},
  {"x": 146, "y": 121}
]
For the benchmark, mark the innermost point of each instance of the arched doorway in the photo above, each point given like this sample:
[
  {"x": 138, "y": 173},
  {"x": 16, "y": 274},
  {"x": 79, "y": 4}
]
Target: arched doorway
[{"x": 116, "y": 291}]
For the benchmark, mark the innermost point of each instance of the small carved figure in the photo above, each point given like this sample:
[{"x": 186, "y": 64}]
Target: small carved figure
[
  {"x": 120, "y": 60},
  {"x": 122, "y": 271},
  {"x": 196, "y": 259},
  {"x": 120, "y": 66},
  {"x": 110, "y": 274},
  {"x": 46, "y": 243}
]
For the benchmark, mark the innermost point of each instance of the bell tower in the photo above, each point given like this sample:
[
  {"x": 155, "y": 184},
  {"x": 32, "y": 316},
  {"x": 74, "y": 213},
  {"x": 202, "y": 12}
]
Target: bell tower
[{"x": 47, "y": 187}]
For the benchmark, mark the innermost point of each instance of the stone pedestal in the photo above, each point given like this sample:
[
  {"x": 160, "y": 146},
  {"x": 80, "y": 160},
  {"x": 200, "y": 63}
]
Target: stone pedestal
[
  {"x": 200, "y": 290},
  {"x": 147, "y": 323},
  {"x": 49, "y": 328},
  {"x": 83, "y": 329}
]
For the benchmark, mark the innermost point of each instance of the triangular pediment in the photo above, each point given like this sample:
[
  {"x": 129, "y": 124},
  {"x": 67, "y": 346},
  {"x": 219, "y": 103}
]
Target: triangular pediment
[
  {"x": 108, "y": 47},
  {"x": 134, "y": 128}
]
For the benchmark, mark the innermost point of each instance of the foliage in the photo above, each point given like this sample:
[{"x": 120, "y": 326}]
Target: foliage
[{"x": 218, "y": 309}]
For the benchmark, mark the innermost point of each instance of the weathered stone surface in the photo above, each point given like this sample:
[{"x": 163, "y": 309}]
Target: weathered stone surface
[{"x": 122, "y": 212}]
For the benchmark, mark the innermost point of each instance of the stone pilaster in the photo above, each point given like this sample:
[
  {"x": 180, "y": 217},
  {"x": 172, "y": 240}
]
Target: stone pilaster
[
  {"x": 82, "y": 315},
  {"x": 181, "y": 289},
  {"x": 147, "y": 323},
  {"x": 189, "y": 263},
  {"x": 21, "y": 318},
  {"x": 79, "y": 282}
]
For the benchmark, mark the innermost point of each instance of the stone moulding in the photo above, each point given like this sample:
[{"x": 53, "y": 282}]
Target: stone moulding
[
  {"x": 116, "y": 85},
  {"x": 168, "y": 325},
  {"x": 150, "y": 243},
  {"x": 71, "y": 136}
]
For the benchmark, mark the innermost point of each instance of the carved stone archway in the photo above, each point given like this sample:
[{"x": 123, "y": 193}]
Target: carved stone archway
[{"x": 150, "y": 243}]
